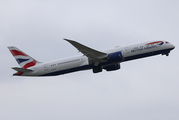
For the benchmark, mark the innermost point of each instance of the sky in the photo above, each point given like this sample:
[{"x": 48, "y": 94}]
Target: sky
[{"x": 142, "y": 89}]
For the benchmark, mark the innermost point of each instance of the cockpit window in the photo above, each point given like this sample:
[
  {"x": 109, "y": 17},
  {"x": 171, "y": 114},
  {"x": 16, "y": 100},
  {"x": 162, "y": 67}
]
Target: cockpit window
[{"x": 166, "y": 42}]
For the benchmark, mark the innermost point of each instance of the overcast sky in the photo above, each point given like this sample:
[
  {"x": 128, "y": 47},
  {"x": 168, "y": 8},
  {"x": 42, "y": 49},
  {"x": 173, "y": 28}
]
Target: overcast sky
[{"x": 144, "y": 89}]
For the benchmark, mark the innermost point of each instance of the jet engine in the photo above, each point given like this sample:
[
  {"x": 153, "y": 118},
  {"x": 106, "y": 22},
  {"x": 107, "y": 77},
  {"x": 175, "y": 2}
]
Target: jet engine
[
  {"x": 112, "y": 67},
  {"x": 116, "y": 57}
]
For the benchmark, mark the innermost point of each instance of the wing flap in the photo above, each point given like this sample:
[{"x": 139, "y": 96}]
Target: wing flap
[{"x": 21, "y": 69}]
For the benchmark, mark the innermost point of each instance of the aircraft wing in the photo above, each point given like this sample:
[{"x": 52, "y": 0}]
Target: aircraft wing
[{"x": 92, "y": 54}]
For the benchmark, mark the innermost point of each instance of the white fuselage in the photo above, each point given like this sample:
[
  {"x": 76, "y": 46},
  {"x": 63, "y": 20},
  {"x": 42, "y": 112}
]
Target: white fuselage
[{"x": 77, "y": 63}]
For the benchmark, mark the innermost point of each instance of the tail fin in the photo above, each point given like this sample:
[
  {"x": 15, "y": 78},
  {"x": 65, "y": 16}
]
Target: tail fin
[{"x": 24, "y": 60}]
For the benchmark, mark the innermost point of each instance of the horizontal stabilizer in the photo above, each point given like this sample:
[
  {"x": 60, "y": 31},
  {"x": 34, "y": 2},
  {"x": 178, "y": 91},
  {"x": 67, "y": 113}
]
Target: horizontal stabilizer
[{"x": 21, "y": 69}]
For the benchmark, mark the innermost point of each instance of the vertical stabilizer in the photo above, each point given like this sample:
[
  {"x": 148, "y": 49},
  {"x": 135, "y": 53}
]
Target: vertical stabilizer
[{"x": 24, "y": 60}]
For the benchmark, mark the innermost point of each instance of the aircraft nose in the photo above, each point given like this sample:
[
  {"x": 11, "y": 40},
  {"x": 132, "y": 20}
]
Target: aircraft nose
[{"x": 172, "y": 46}]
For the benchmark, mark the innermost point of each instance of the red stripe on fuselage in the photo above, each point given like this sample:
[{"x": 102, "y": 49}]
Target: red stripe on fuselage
[
  {"x": 30, "y": 64},
  {"x": 154, "y": 42},
  {"x": 16, "y": 52}
]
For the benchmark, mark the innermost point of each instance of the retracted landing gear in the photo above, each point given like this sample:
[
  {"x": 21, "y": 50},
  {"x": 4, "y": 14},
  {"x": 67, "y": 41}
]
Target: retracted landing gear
[
  {"x": 166, "y": 53},
  {"x": 97, "y": 69}
]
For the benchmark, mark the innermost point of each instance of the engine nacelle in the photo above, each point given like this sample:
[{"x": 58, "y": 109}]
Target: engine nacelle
[
  {"x": 112, "y": 67},
  {"x": 116, "y": 57}
]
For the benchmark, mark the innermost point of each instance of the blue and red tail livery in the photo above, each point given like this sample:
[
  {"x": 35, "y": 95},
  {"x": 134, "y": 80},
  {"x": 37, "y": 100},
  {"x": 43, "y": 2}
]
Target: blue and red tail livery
[{"x": 24, "y": 60}]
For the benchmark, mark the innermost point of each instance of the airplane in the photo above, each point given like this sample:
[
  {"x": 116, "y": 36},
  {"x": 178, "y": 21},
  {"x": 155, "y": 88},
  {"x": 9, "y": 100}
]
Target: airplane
[{"x": 108, "y": 60}]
